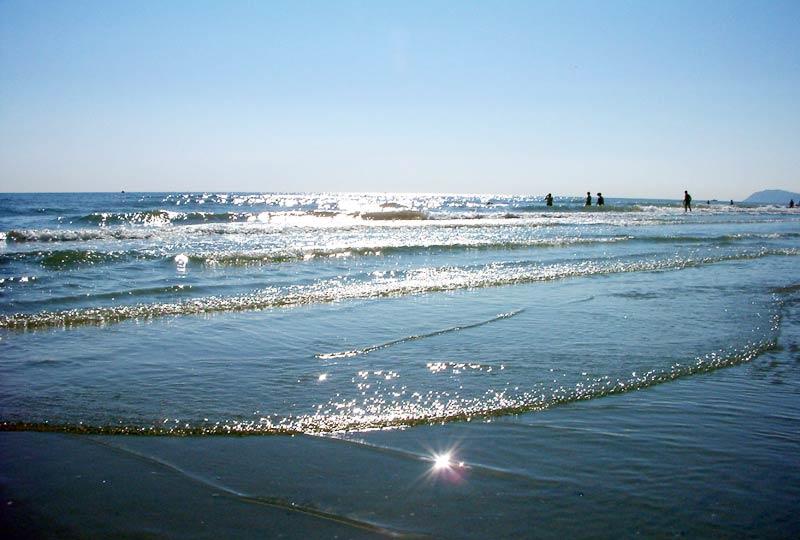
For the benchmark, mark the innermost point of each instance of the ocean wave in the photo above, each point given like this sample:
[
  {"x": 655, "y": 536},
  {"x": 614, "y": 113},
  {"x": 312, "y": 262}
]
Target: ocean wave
[
  {"x": 164, "y": 217},
  {"x": 270, "y": 257},
  {"x": 787, "y": 289},
  {"x": 272, "y": 224},
  {"x": 578, "y": 207},
  {"x": 168, "y": 217},
  {"x": 70, "y": 258},
  {"x": 340, "y": 417},
  {"x": 76, "y": 235},
  {"x": 725, "y": 239},
  {"x": 64, "y": 259},
  {"x": 419, "y": 281},
  {"x": 379, "y": 413},
  {"x": 402, "y": 215},
  {"x": 170, "y": 290}
]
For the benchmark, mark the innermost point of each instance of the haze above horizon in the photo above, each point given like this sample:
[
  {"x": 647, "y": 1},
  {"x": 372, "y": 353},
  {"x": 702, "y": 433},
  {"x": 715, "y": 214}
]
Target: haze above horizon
[{"x": 633, "y": 99}]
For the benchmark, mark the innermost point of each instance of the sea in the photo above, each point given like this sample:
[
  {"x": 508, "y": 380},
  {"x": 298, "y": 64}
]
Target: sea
[{"x": 389, "y": 364}]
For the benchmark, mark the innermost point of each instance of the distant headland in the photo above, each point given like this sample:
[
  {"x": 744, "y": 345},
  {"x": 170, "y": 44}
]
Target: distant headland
[{"x": 772, "y": 196}]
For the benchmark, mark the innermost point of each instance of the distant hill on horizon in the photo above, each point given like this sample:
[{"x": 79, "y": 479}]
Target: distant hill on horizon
[{"x": 773, "y": 196}]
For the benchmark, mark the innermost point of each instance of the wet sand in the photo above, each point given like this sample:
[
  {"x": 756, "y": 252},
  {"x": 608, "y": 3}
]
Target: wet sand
[{"x": 706, "y": 456}]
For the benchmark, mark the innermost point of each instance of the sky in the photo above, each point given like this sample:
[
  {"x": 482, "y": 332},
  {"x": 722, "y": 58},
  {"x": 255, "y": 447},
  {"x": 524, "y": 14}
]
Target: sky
[{"x": 634, "y": 99}]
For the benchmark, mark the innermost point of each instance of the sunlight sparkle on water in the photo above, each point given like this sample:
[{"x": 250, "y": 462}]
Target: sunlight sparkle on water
[{"x": 442, "y": 461}]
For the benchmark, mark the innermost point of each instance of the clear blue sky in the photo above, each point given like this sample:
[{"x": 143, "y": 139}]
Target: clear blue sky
[{"x": 628, "y": 98}]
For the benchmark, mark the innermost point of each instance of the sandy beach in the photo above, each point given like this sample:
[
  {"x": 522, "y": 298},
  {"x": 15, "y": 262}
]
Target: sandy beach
[{"x": 706, "y": 456}]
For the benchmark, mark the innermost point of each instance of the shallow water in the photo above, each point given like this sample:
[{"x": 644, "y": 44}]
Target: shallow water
[
  {"x": 713, "y": 455},
  {"x": 272, "y": 313},
  {"x": 482, "y": 328}
]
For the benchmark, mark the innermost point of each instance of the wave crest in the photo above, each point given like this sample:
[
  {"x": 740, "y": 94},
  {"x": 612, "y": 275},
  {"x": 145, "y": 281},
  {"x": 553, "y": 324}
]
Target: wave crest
[
  {"x": 59, "y": 235},
  {"x": 421, "y": 281}
]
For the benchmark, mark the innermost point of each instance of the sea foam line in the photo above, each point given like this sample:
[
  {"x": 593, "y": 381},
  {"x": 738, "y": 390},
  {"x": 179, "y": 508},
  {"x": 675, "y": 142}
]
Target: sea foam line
[
  {"x": 371, "y": 348},
  {"x": 420, "y": 281}
]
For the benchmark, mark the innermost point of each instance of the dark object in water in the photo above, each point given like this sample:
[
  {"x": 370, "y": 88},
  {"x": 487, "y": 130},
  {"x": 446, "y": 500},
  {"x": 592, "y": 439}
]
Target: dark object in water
[{"x": 394, "y": 215}]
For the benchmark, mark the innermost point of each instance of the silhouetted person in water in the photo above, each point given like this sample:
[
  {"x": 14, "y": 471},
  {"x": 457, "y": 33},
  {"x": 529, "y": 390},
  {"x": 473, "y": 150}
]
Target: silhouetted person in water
[
  {"x": 588, "y": 199},
  {"x": 549, "y": 199},
  {"x": 600, "y": 200},
  {"x": 687, "y": 201},
  {"x": 791, "y": 203}
]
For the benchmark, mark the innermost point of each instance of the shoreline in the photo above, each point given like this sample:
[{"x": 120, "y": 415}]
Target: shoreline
[{"x": 672, "y": 459}]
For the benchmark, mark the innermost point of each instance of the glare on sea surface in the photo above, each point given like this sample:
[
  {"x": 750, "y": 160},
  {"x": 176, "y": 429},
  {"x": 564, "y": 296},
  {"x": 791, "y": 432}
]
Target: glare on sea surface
[
  {"x": 442, "y": 461},
  {"x": 445, "y": 466}
]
